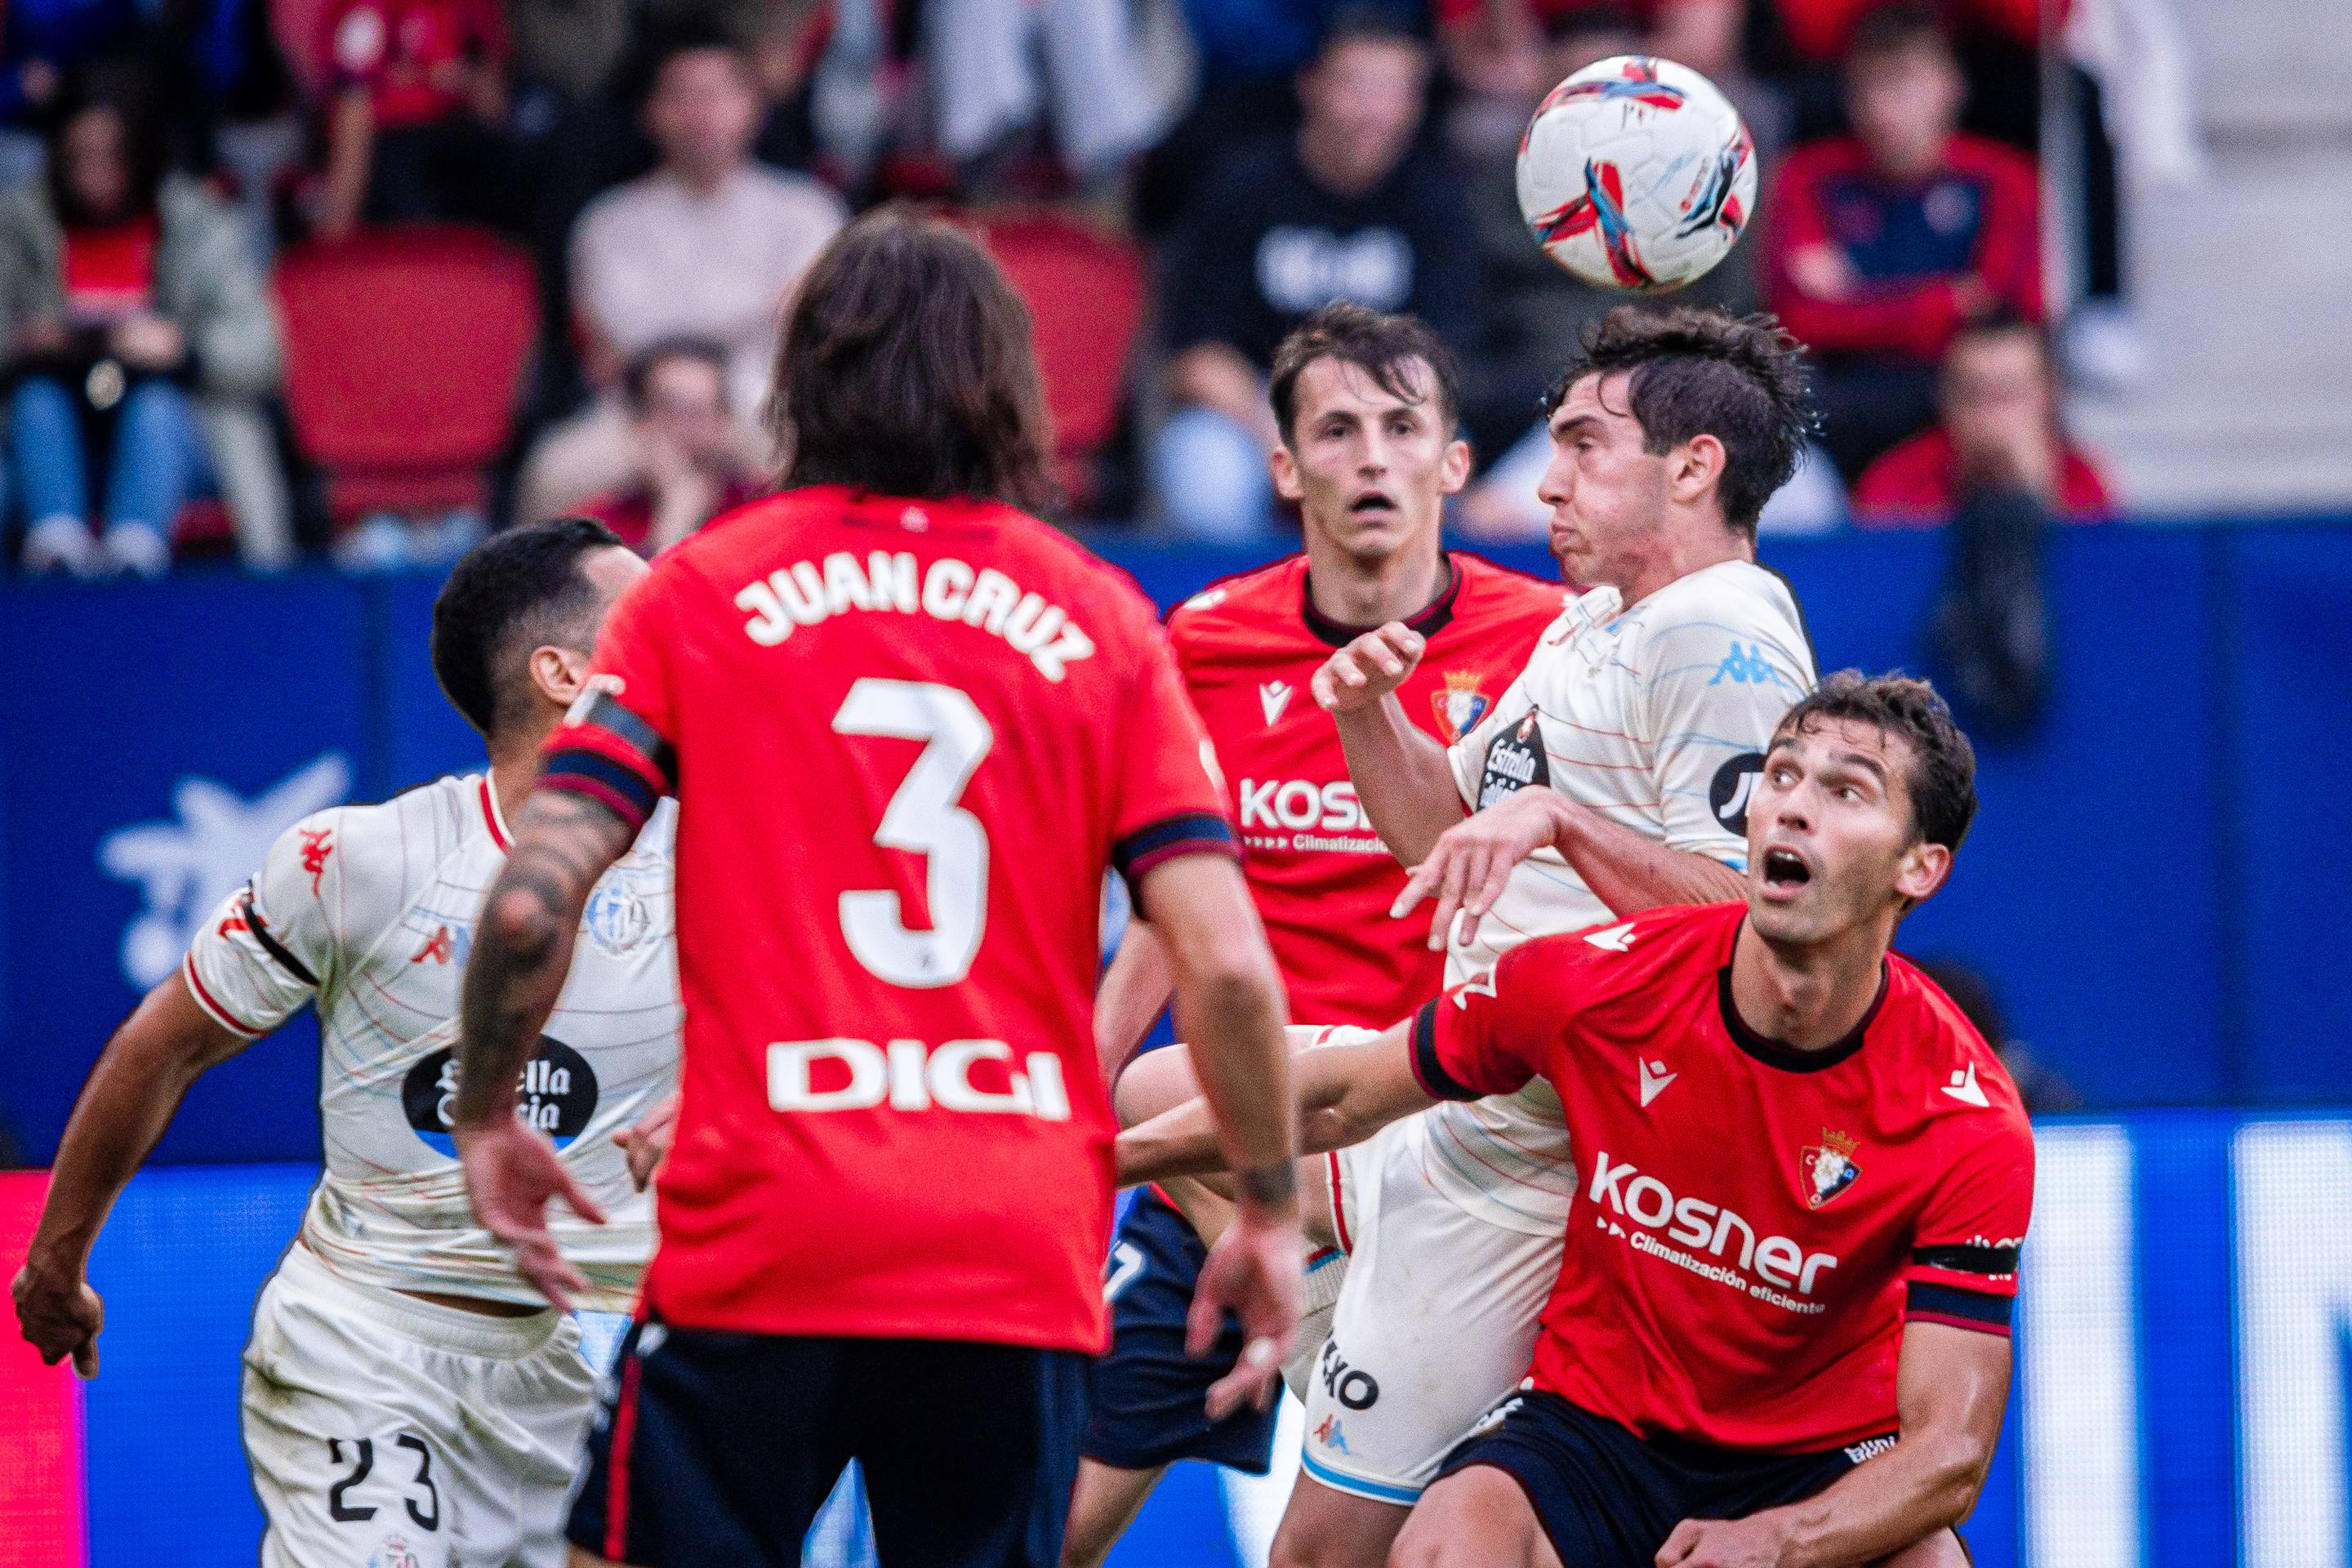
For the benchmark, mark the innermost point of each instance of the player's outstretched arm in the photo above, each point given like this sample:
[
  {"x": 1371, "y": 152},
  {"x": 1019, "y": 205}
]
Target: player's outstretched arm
[
  {"x": 164, "y": 1046},
  {"x": 1346, "y": 1093},
  {"x": 1230, "y": 995},
  {"x": 1951, "y": 1386},
  {"x": 1403, "y": 778},
  {"x": 531, "y": 918}
]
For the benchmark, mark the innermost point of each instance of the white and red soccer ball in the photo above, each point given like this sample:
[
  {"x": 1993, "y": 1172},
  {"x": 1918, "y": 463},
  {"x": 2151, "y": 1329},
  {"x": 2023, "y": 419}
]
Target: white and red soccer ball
[{"x": 1637, "y": 175}]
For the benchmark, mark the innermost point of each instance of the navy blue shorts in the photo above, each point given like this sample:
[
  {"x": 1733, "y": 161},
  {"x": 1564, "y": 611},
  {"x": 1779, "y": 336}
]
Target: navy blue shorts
[
  {"x": 1609, "y": 1498},
  {"x": 716, "y": 1450},
  {"x": 1151, "y": 1399}
]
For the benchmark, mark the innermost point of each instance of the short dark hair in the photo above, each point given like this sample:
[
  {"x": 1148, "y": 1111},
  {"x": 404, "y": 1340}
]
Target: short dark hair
[
  {"x": 122, "y": 89},
  {"x": 519, "y": 589},
  {"x": 1380, "y": 345},
  {"x": 2004, "y": 322},
  {"x": 1698, "y": 370},
  {"x": 1942, "y": 780},
  {"x": 1368, "y": 24},
  {"x": 1897, "y": 29},
  {"x": 906, "y": 368},
  {"x": 639, "y": 371}
]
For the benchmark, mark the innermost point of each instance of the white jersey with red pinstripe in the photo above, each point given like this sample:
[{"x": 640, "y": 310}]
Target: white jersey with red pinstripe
[
  {"x": 370, "y": 910},
  {"x": 1657, "y": 718}
]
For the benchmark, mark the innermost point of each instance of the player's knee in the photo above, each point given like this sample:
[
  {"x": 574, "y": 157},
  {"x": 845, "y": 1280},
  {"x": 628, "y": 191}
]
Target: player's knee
[
  {"x": 1343, "y": 1532},
  {"x": 1476, "y": 1518}
]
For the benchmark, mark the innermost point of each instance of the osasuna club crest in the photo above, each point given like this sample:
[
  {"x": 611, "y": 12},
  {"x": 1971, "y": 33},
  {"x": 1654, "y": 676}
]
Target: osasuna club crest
[
  {"x": 1460, "y": 705},
  {"x": 1829, "y": 1168}
]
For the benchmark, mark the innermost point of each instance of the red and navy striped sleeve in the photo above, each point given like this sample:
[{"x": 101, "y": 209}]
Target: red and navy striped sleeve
[
  {"x": 617, "y": 745},
  {"x": 1963, "y": 1270}
]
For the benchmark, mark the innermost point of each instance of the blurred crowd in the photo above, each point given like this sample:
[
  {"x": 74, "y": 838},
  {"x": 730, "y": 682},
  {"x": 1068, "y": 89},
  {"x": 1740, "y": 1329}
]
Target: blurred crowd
[{"x": 186, "y": 184}]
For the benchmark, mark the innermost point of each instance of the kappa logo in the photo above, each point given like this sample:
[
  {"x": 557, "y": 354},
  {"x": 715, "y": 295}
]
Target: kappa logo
[
  {"x": 1331, "y": 1435},
  {"x": 437, "y": 949},
  {"x": 1655, "y": 1079},
  {"x": 1746, "y": 667},
  {"x": 1273, "y": 698},
  {"x": 1616, "y": 939},
  {"x": 1965, "y": 1088}
]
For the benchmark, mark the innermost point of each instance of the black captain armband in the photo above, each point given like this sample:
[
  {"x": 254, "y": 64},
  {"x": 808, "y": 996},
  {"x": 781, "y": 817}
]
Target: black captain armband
[
  {"x": 1434, "y": 1079},
  {"x": 1976, "y": 1310},
  {"x": 276, "y": 949}
]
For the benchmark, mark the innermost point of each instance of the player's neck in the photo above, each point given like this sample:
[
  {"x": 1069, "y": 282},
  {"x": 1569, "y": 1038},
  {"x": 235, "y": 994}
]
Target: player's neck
[
  {"x": 1807, "y": 998},
  {"x": 1356, "y": 591},
  {"x": 514, "y": 768},
  {"x": 1679, "y": 554}
]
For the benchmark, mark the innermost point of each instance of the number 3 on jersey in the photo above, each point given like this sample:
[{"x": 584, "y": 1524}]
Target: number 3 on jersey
[{"x": 923, "y": 817}]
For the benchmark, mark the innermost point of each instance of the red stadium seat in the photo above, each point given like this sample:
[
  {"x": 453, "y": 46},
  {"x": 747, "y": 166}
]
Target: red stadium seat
[
  {"x": 1085, "y": 289},
  {"x": 405, "y": 348}
]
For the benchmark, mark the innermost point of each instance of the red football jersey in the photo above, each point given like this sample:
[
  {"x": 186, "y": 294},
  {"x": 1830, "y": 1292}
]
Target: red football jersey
[
  {"x": 1249, "y": 646},
  {"x": 1753, "y": 1223},
  {"x": 907, "y": 739}
]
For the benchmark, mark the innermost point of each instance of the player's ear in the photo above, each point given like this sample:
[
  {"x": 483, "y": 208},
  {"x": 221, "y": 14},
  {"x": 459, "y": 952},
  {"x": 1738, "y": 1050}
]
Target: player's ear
[
  {"x": 1453, "y": 468},
  {"x": 1922, "y": 870},
  {"x": 1283, "y": 464},
  {"x": 559, "y": 673},
  {"x": 1694, "y": 468}
]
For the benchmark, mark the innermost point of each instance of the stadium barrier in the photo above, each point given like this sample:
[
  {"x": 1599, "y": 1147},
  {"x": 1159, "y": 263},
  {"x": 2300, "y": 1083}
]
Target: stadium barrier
[
  {"x": 2181, "y": 1395},
  {"x": 2154, "y": 885}
]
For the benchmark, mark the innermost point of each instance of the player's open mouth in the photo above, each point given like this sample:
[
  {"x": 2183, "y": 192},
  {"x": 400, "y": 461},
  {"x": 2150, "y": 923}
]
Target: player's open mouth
[
  {"x": 1785, "y": 869},
  {"x": 1372, "y": 504}
]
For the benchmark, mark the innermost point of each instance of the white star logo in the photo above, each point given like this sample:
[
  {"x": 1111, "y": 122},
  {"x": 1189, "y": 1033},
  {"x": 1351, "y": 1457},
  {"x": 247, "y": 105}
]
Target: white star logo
[{"x": 186, "y": 867}]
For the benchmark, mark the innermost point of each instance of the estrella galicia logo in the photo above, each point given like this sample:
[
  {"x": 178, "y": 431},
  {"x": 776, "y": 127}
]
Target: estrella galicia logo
[
  {"x": 1733, "y": 788},
  {"x": 1513, "y": 762},
  {"x": 556, "y": 1094}
]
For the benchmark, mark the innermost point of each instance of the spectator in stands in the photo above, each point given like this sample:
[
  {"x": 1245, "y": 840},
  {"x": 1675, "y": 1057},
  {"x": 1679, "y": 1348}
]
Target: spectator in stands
[
  {"x": 42, "y": 44},
  {"x": 2001, "y": 430},
  {"x": 415, "y": 114},
  {"x": 707, "y": 245},
  {"x": 1497, "y": 51},
  {"x": 136, "y": 318},
  {"x": 1345, "y": 208},
  {"x": 1880, "y": 245},
  {"x": 690, "y": 466}
]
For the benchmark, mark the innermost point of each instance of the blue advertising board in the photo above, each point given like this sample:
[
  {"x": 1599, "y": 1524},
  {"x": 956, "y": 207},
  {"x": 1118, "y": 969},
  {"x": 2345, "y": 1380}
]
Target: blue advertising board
[
  {"x": 2153, "y": 885},
  {"x": 2180, "y": 1397}
]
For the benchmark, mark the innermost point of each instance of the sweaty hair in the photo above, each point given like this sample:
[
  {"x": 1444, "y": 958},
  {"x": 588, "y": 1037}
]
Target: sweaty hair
[
  {"x": 1942, "y": 780},
  {"x": 1382, "y": 347},
  {"x": 1897, "y": 29},
  {"x": 639, "y": 371},
  {"x": 513, "y": 593},
  {"x": 1698, "y": 371},
  {"x": 906, "y": 369}
]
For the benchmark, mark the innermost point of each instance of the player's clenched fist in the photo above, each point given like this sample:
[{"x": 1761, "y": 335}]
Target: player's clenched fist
[
  {"x": 60, "y": 1316},
  {"x": 1368, "y": 668}
]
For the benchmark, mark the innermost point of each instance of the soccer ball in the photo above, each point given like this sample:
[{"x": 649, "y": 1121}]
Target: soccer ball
[{"x": 1636, "y": 175}]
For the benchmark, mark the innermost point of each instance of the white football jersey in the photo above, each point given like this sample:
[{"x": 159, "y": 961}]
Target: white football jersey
[
  {"x": 371, "y": 910},
  {"x": 1657, "y": 718}
]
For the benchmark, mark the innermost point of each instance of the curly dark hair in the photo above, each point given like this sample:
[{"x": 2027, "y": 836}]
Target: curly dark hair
[
  {"x": 1698, "y": 371},
  {"x": 1942, "y": 782},
  {"x": 515, "y": 591},
  {"x": 1380, "y": 345}
]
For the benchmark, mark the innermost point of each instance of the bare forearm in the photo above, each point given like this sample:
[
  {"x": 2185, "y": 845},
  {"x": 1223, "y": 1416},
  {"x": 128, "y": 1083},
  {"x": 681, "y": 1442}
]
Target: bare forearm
[
  {"x": 1920, "y": 1486},
  {"x": 522, "y": 951},
  {"x": 1403, "y": 778},
  {"x": 350, "y": 146},
  {"x": 133, "y": 1094},
  {"x": 1345, "y": 1094},
  {"x": 1631, "y": 873}
]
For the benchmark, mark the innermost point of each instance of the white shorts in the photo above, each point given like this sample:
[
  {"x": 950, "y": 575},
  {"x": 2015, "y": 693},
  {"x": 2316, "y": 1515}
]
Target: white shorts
[
  {"x": 1436, "y": 1321},
  {"x": 386, "y": 1432}
]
